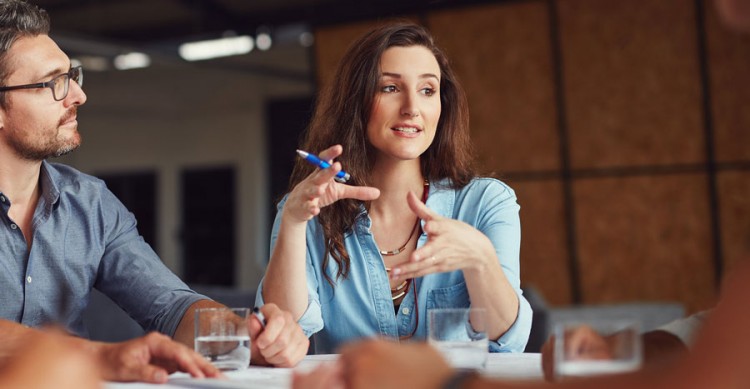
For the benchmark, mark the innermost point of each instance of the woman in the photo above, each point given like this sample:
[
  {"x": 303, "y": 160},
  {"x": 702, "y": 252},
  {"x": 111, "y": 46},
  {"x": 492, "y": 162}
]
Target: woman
[{"x": 369, "y": 258}]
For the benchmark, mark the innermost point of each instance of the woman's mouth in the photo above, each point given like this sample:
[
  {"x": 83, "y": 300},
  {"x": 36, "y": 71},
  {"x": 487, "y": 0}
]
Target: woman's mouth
[{"x": 406, "y": 130}]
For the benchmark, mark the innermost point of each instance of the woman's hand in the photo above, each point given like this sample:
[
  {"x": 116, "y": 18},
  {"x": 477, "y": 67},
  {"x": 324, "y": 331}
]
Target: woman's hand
[
  {"x": 451, "y": 245},
  {"x": 319, "y": 189},
  {"x": 281, "y": 342}
]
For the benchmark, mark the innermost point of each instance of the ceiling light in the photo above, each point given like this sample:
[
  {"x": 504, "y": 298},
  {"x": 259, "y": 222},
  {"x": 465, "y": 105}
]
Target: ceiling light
[
  {"x": 263, "y": 41},
  {"x": 306, "y": 39},
  {"x": 223, "y": 47},
  {"x": 132, "y": 60}
]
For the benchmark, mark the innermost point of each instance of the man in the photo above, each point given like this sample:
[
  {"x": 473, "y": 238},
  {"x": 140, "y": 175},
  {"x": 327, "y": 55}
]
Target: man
[{"x": 63, "y": 232}]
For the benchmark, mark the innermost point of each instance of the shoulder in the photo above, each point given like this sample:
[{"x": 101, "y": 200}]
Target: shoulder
[
  {"x": 480, "y": 196},
  {"x": 72, "y": 186},
  {"x": 67, "y": 177},
  {"x": 478, "y": 187},
  {"x": 489, "y": 185}
]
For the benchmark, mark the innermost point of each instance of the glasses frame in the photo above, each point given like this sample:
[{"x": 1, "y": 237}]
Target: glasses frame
[{"x": 75, "y": 73}]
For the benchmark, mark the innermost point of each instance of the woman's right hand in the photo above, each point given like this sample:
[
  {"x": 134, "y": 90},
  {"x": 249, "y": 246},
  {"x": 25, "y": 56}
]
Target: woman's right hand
[{"x": 320, "y": 189}]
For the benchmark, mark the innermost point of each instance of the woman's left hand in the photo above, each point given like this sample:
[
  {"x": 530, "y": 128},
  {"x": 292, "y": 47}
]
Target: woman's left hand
[{"x": 451, "y": 245}]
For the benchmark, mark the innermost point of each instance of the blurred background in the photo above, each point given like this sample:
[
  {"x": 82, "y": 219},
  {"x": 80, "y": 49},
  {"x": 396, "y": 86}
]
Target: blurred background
[{"x": 623, "y": 126}]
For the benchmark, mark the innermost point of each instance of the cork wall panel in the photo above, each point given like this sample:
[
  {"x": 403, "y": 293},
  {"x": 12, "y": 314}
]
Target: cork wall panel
[
  {"x": 734, "y": 204},
  {"x": 645, "y": 238},
  {"x": 728, "y": 64},
  {"x": 502, "y": 56},
  {"x": 631, "y": 82},
  {"x": 544, "y": 258},
  {"x": 331, "y": 42}
]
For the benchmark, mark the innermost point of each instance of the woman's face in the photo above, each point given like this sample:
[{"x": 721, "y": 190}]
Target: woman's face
[{"x": 406, "y": 108}]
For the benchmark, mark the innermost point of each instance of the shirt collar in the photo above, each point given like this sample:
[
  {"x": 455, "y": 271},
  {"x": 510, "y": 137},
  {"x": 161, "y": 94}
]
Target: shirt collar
[
  {"x": 48, "y": 177},
  {"x": 441, "y": 200}
]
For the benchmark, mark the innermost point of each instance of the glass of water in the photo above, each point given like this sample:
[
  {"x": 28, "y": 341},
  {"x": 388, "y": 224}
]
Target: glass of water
[
  {"x": 222, "y": 337},
  {"x": 460, "y": 334},
  {"x": 597, "y": 347}
]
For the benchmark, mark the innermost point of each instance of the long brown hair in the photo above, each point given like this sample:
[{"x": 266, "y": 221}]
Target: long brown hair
[{"x": 341, "y": 117}]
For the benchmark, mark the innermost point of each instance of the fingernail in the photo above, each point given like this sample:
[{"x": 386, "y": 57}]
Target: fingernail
[{"x": 396, "y": 271}]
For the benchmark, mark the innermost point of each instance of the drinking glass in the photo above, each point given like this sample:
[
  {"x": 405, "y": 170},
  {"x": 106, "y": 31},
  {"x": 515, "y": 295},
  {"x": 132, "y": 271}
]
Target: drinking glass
[
  {"x": 222, "y": 337},
  {"x": 460, "y": 334},
  {"x": 597, "y": 347}
]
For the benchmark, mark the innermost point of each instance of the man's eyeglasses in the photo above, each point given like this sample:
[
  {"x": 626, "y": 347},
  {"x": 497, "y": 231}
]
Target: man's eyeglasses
[{"x": 60, "y": 85}]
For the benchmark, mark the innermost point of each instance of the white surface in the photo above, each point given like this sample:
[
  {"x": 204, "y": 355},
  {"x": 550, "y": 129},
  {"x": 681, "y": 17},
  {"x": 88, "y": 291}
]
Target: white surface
[
  {"x": 596, "y": 367},
  {"x": 464, "y": 355},
  {"x": 499, "y": 366}
]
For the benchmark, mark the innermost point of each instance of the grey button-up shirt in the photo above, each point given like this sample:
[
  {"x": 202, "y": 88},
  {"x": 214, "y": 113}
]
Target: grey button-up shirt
[{"x": 84, "y": 238}]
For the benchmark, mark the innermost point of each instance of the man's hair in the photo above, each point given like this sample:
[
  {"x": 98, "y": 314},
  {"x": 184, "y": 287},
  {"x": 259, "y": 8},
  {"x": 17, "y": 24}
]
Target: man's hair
[{"x": 18, "y": 19}]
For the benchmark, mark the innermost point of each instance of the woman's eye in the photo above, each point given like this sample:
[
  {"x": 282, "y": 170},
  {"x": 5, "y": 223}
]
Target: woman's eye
[
  {"x": 389, "y": 89},
  {"x": 428, "y": 91}
]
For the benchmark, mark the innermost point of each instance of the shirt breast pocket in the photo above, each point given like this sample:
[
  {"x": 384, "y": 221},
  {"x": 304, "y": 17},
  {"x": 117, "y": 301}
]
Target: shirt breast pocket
[{"x": 456, "y": 296}]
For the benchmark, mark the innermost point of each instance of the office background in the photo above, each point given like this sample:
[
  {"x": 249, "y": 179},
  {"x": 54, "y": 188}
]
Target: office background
[{"x": 619, "y": 123}]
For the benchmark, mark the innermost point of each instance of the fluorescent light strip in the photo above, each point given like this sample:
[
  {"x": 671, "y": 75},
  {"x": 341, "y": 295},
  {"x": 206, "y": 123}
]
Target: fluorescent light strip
[
  {"x": 132, "y": 60},
  {"x": 224, "y": 47}
]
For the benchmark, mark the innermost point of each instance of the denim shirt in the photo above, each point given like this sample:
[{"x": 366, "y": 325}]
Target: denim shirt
[
  {"x": 361, "y": 305},
  {"x": 83, "y": 237}
]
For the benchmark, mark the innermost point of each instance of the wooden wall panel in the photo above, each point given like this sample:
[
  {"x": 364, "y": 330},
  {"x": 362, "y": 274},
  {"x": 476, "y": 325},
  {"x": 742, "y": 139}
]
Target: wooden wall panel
[
  {"x": 734, "y": 201},
  {"x": 502, "y": 56},
  {"x": 729, "y": 65},
  {"x": 544, "y": 250},
  {"x": 631, "y": 81},
  {"x": 632, "y": 89},
  {"x": 645, "y": 238},
  {"x": 331, "y": 42}
]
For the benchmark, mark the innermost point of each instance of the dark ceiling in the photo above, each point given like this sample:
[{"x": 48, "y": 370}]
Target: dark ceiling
[
  {"x": 104, "y": 29},
  {"x": 148, "y": 22}
]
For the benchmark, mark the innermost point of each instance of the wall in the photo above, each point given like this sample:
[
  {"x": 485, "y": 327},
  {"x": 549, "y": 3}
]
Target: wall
[
  {"x": 174, "y": 116},
  {"x": 621, "y": 127}
]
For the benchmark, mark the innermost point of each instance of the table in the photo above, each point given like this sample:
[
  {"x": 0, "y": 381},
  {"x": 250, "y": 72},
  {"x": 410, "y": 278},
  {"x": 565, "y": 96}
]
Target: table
[{"x": 526, "y": 366}]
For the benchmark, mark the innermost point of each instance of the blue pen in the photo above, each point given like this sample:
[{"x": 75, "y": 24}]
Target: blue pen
[
  {"x": 260, "y": 316},
  {"x": 341, "y": 176}
]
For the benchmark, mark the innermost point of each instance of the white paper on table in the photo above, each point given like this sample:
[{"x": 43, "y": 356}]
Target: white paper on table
[{"x": 253, "y": 377}]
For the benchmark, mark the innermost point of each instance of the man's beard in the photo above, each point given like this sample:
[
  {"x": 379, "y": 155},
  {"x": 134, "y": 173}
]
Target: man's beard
[
  {"x": 47, "y": 148},
  {"x": 36, "y": 152}
]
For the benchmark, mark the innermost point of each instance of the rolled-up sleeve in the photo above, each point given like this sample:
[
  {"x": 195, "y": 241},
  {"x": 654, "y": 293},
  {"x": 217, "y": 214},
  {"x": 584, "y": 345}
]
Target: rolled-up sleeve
[
  {"x": 514, "y": 340},
  {"x": 500, "y": 222}
]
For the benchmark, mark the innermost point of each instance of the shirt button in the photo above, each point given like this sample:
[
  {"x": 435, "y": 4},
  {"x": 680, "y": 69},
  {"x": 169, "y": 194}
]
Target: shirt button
[
  {"x": 405, "y": 311},
  {"x": 28, "y": 279},
  {"x": 13, "y": 226}
]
